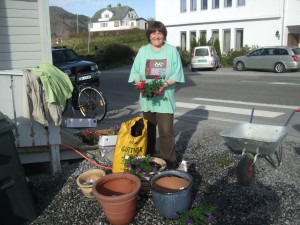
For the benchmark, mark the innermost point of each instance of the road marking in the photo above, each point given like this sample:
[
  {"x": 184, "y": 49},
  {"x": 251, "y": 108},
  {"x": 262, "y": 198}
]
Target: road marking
[
  {"x": 225, "y": 109},
  {"x": 282, "y": 83},
  {"x": 248, "y": 103}
]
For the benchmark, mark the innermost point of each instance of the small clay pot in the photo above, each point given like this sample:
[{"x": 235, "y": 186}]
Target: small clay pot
[{"x": 86, "y": 180}]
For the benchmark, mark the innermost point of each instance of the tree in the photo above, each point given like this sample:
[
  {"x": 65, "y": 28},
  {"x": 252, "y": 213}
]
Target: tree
[
  {"x": 193, "y": 44},
  {"x": 202, "y": 40},
  {"x": 217, "y": 46}
]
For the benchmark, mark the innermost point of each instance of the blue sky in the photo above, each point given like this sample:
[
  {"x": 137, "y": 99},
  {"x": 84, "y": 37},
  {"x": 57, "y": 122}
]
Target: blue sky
[{"x": 144, "y": 8}]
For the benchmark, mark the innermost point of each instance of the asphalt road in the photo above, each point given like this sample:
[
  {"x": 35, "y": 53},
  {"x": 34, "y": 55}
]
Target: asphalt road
[{"x": 219, "y": 98}]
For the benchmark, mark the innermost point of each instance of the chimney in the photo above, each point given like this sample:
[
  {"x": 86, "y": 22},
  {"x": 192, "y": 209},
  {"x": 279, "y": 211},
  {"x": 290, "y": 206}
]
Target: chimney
[
  {"x": 119, "y": 5},
  {"x": 109, "y": 6}
]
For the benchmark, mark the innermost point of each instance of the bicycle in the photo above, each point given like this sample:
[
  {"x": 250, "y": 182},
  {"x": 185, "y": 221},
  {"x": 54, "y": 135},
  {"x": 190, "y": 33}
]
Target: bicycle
[{"x": 88, "y": 100}]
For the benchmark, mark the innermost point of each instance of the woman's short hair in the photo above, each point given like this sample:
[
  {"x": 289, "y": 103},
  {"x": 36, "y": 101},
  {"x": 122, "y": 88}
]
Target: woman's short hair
[{"x": 156, "y": 26}]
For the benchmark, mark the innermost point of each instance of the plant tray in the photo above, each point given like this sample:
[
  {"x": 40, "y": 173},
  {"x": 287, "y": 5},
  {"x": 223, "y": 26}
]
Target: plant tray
[
  {"x": 79, "y": 122},
  {"x": 106, "y": 140}
]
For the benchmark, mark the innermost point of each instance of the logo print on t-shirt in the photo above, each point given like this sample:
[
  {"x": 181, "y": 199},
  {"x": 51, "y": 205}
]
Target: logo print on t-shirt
[{"x": 156, "y": 67}]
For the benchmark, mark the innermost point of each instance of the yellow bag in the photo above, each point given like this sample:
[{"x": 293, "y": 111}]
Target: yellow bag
[{"x": 131, "y": 140}]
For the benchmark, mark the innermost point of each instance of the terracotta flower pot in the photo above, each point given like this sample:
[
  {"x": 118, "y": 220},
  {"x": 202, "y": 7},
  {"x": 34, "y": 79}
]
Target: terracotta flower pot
[
  {"x": 86, "y": 180},
  {"x": 117, "y": 195}
]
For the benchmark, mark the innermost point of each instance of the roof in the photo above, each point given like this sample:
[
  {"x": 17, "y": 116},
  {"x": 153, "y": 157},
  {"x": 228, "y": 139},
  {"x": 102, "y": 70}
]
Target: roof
[{"x": 119, "y": 12}]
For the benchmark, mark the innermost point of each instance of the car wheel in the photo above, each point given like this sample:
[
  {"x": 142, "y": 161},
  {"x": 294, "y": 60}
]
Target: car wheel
[
  {"x": 193, "y": 69},
  {"x": 279, "y": 68},
  {"x": 240, "y": 66},
  {"x": 215, "y": 67}
]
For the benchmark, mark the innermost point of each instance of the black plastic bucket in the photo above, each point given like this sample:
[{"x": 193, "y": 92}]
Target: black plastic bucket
[{"x": 168, "y": 200}]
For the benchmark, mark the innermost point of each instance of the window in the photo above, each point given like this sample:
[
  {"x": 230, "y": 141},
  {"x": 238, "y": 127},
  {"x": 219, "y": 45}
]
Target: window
[
  {"x": 203, "y": 37},
  {"x": 103, "y": 24},
  {"x": 227, "y": 3},
  {"x": 239, "y": 38},
  {"x": 241, "y": 2},
  {"x": 226, "y": 41},
  {"x": 193, "y": 41},
  {"x": 183, "y": 41},
  {"x": 193, "y": 5},
  {"x": 256, "y": 52},
  {"x": 106, "y": 16},
  {"x": 203, "y": 4},
  {"x": 182, "y": 5},
  {"x": 215, "y": 35},
  {"x": 215, "y": 4}
]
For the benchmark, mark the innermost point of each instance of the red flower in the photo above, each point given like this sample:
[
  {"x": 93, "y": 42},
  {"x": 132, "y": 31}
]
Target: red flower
[{"x": 150, "y": 89}]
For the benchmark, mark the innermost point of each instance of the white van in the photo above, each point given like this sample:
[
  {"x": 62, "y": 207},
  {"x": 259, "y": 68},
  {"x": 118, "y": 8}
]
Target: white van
[{"x": 205, "y": 57}]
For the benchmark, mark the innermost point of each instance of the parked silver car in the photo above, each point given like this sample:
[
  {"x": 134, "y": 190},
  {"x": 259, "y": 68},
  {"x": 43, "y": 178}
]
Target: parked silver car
[
  {"x": 278, "y": 58},
  {"x": 205, "y": 57}
]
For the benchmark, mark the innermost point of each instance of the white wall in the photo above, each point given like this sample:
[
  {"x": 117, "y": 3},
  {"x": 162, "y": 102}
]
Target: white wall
[
  {"x": 25, "y": 39},
  {"x": 259, "y": 20}
]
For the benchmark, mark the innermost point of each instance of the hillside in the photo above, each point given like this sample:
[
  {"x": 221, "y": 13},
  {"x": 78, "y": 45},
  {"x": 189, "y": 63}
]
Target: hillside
[{"x": 62, "y": 23}]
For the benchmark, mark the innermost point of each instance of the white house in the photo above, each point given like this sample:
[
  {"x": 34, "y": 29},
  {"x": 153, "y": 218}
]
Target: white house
[
  {"x": 116, "y": 18},
  {"x": 235, "y": 22},
  {"x": 25, "y": 43}
]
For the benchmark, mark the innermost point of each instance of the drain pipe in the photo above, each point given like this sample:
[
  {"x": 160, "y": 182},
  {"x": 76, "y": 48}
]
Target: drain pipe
[{"x": 282, "y": 24}]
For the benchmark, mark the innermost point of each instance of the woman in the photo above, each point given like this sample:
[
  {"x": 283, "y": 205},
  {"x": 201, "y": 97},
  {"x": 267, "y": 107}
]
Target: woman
[{"x": 159, "y": 60}]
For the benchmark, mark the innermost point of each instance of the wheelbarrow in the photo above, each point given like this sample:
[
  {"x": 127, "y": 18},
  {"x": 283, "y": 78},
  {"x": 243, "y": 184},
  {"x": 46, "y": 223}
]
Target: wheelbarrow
[{"x": 254, "y": 140}]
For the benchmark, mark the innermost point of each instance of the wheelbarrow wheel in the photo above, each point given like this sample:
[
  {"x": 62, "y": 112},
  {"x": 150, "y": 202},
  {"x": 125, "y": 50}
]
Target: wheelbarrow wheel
[{"x": 245, "y": 169}]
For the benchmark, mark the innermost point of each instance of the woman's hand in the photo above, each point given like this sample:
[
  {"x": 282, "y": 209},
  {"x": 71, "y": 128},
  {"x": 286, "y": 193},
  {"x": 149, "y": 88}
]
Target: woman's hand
[{"x": 137, "y": 81}]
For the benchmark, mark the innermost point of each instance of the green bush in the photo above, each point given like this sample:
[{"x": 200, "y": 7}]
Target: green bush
[
  {"x": 185, "y": 57},
  {"x": 227, "y": 58},
  {"x": 217, "y": 46},
  {"x": 114, "y": 55}
]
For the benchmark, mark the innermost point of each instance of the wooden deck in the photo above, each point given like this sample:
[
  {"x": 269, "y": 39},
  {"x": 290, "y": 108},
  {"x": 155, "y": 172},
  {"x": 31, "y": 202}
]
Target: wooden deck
[{"x": 68, "y": 139}]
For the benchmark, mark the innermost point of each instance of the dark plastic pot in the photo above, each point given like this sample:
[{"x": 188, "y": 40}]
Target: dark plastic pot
[{"x": 171, "y": 192}]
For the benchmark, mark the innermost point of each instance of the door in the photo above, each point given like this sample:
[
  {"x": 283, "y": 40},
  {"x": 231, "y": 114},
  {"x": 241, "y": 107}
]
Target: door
[{"x": 293, "y": 40}]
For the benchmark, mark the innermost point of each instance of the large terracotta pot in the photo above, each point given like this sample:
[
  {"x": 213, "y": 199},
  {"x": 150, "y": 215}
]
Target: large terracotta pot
[
  {"x": 117, "y": 195},
  {"x": 86, "y": 180}
]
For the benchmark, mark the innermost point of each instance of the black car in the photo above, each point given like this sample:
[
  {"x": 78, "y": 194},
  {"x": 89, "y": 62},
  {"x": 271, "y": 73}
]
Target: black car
[{"x": 69, "y": 61}]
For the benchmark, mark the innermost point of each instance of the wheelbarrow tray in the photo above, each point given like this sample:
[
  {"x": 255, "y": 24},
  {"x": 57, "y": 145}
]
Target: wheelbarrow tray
[{"x": 255, "y": 138}]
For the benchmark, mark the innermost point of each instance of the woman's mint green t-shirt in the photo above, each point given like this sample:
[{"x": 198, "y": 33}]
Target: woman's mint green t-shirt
[{"x": 164, "y": 103}]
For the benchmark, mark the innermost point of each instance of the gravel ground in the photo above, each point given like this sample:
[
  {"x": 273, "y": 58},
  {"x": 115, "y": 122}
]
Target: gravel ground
[{"x": 271, "y": 198}]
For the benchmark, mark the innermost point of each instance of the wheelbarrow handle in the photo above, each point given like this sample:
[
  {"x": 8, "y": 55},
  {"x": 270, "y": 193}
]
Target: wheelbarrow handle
[
  {"x": 291, "y": 116},
  {"x": 251, "y": 117}
]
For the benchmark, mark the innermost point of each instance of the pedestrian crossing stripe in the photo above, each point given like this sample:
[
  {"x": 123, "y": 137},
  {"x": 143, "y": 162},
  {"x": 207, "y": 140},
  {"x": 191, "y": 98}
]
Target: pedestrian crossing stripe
[
  {"x": 241, "y": 111},
  {"x": 248, "y": 103}
]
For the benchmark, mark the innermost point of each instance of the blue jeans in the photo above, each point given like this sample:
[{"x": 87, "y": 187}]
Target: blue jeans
[{"x": 164, "y": 122}]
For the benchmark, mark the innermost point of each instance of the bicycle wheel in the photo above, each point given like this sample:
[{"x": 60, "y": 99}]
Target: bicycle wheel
[
  {"x": 65, "y": 106},
  {"x": 92, "y": 103}
]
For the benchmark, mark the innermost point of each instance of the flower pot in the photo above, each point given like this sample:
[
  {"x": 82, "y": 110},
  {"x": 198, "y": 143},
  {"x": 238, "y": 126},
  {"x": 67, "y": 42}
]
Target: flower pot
[
  {"x": 108, "y": 140},
  {"x": 145, "y": 188},
  {"x": 89, "y": 142},
  {"x": 171, "y": 192},
  {"x": 117, "y": 195},
  {"x": 86, "y": 180}
]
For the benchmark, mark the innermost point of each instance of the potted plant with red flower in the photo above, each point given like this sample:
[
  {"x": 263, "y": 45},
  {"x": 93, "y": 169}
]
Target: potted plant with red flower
[
  {"x": 90, "y": 137},
  {"x": 150, "y": 89}
]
